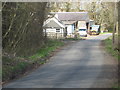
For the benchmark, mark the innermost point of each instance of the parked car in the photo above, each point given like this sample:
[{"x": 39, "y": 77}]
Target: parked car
[
  {"x": 95, "y": 30},
  {"x": 83, "y": 32}
]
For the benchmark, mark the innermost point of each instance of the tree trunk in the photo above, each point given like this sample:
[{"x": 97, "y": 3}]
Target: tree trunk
[{"x": 114, "y": 30}]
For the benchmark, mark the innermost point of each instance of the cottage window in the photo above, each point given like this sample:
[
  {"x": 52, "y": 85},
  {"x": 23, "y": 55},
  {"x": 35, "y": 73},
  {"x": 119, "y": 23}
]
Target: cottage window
[{"x": 57, "y": 30}]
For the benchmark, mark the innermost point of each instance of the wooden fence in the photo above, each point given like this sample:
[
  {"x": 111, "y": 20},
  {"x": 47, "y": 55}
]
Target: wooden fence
[{"x": 60, "y": 35}]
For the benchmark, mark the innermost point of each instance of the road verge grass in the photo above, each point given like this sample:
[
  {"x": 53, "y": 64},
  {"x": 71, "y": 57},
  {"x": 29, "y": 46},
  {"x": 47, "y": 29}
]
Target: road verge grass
[
  {"x": 50, "y": 46},
  {"x": 71, "y": 39},
  {"x": 105, "y": 32},
  {"x": 13, "y": 67},
  {"x": 108, "y": 46},
  {"x": 113, "y": 52}
]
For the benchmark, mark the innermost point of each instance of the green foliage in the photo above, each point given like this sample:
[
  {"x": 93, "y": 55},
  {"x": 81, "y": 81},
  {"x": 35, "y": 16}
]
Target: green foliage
[
  {"x": 110, "y": 49},
  {"x": 73, "y": 39},
  {"x": 103, "y": 14},
  {"x": 110, "y": 28},
  {"x": 116, "y": 87},
  {"x": 105, "y": 33},
  {"x": 12, "y": 67},
  {"x": 15, "y": 66},
  {"x": 51, "y": 45}
]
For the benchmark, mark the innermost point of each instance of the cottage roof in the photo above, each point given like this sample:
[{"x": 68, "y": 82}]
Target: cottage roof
[
  {"x": 73, "y": 16},
  {"x": 53, "y": 23},
  {"x": 69, "y": 22}
]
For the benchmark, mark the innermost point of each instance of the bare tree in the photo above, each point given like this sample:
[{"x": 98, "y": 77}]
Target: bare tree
[{"x": 22, "y": 27}]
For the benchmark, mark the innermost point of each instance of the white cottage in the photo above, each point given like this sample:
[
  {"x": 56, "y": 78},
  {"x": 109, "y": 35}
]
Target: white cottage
[
  {"x": 70, "y": 27},
  {"x": 54, "y": 28},
  {"x": 71, "y": 20}
]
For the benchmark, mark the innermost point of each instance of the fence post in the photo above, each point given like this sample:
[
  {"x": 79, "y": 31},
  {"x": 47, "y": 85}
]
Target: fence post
[
  {"x": 61, "y": 34},
  {"x": 56, "y": 35},
  {"x": 45, "y": 34}
]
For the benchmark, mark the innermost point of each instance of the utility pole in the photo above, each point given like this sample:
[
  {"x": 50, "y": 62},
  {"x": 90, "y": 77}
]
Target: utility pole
[{"x": 114, "y": 30}]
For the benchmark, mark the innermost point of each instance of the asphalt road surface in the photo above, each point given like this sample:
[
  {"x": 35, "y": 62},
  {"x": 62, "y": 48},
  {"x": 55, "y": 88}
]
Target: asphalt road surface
[{"x": 82, "y": 64}]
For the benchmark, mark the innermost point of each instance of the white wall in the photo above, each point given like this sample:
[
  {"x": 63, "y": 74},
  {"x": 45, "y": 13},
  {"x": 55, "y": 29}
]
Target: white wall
[
  {"x": 70, "y": 29},
  {"x": 53, "y": 30},
  {"x": 82, "y": 24},
  {"x": 51, "y": 33}
]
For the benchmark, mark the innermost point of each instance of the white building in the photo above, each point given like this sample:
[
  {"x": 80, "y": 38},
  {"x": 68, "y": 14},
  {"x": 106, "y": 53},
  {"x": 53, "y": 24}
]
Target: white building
[
  {"x": 54, "y": 28},
  {"x": 71, "y": 20}
]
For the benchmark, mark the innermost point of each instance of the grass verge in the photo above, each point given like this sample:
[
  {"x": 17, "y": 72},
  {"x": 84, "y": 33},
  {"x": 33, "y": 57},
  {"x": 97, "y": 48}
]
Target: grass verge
[
  {"x": 13, "y": 66},
  {"x": 50, "y": 46},
  {"x": 116, "y": 87},
  {"x": 109, "y": 48},
  {"x": 105, "y": 32},
  {"x": 71, "y": 39},
  {"x": 113, "y": 52}
]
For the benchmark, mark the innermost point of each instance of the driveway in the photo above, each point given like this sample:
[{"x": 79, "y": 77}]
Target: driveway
[{"x": 83, "y": 64}]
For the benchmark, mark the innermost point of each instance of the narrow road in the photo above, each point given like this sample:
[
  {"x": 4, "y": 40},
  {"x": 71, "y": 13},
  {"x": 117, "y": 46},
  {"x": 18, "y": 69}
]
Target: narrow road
[{"x": 83, "y": 64}]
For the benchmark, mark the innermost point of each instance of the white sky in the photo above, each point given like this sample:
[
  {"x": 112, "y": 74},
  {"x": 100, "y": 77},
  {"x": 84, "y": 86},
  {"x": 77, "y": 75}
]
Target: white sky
[{"x": 59, "y": 0}]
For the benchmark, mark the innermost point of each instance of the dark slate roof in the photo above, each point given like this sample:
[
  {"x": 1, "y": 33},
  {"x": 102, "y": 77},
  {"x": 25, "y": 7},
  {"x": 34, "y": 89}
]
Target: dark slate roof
[
  {"x": 73, "y": 16},
  {"x": 69, "y": 22}
]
